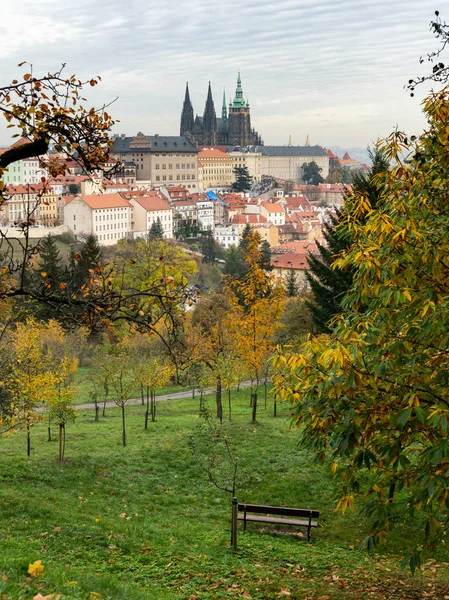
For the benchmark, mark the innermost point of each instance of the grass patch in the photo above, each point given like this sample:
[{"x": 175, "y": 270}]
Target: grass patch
[{"x": 142, "y": 522}]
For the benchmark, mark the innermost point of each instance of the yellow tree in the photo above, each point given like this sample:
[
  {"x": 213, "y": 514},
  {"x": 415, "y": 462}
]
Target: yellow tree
[
  {"x": 61, "y": 409},
  {"x": 257, "y": 302},
  {"x": 33, "y": 378},
  {"x": 209, "y": 340},
  {"x": 154, "y": 373}
]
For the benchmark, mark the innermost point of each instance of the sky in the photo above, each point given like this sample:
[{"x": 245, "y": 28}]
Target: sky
[{"x": 334, "y": 70}]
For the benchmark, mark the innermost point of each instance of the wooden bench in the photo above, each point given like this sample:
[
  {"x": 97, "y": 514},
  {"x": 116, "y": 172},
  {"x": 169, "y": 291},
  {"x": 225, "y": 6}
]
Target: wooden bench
[{"x": 307, "y": 517}]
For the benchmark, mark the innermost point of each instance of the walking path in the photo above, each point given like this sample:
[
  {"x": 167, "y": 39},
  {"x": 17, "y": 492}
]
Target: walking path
[{"x": 161, "y": 398}]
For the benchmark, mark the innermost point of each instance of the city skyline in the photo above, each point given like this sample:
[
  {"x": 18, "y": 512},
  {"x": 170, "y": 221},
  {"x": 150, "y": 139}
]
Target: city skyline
[{"x": 333, "y": 71}]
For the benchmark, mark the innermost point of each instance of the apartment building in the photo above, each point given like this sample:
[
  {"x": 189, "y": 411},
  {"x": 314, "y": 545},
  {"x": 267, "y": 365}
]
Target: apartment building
[
  {"x": 108, "y": 216},
  {"x": 160, "y": 160}
]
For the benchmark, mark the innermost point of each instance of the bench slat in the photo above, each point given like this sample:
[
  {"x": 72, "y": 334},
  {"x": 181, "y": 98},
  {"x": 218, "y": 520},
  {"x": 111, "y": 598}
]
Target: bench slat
[
  {"x": 280, "y": 510},
  {"x": 282, "y": 521}
]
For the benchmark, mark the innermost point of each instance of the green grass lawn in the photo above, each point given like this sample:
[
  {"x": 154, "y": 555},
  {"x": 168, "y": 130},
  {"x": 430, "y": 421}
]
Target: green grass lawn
[{"x": 142, "y": 522}]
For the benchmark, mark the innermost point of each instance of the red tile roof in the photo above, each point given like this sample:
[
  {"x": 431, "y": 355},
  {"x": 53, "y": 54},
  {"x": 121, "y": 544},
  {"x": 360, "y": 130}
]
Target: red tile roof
[
  {"x": 251, "y": 219},
  {"x": 97, "y": 201},
  {"x": 152, "y": 202}
]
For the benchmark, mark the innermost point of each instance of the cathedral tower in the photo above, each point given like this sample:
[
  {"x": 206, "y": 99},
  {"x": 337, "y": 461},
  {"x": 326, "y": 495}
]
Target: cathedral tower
[
  {"x": 187, "y": 118},
  {"x": 239, "y": 129}
]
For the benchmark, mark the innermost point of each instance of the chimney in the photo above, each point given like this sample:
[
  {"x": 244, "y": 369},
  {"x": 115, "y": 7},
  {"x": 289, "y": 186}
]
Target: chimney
[{"x": 123, "y": 136}]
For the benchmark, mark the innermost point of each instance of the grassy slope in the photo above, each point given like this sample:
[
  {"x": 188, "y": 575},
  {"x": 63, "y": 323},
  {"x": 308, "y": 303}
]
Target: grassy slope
[{"x": 142, "y": 522}]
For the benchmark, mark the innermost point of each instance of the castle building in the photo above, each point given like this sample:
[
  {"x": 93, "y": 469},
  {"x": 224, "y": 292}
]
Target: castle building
[{"x": 233, "y": 128}]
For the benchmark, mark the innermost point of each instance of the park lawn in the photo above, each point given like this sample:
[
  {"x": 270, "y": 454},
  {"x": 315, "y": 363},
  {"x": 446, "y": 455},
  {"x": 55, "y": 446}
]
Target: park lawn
[
  {"x": 82, "y": 387},
  {"x": 142, "y": 522}
]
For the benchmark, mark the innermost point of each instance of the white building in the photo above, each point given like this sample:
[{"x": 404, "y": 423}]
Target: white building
[
  {"x": 147, "y": 209},
  {"x": 227, "y": 235},
  {"x": 108, "y": 216},
  {"x": 205, "y": 210}
]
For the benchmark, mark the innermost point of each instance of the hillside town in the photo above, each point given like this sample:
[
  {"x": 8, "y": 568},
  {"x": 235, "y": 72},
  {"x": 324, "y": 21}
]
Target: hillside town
[{"x": 185, "y": 189}]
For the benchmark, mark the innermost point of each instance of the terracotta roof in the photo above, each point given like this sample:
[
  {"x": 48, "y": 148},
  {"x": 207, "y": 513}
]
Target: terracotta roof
[
  {"x": 29, "y": 188},
  {"x": 272, "y": 207},
  {"x": 152, "y": 202},
  {"x": 212, "y": 153},
  {"x": 103, "y": 201},
  {"x": 251, "y": 219}
]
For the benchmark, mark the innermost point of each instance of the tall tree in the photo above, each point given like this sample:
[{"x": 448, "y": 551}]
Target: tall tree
[
  {"x": 311, "y": 173},
  {"x": 329, "y": 284},
  {"x": 373, "y": 398},
  {"x": 243, "y": 179},
  {"x": 265, "y": 256}
]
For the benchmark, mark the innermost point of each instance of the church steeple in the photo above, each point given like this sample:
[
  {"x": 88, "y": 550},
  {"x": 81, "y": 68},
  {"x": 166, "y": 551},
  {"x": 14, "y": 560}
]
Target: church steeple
[
  {"x": 210, "y": 118},
  {"x": 187, "y": 115},
  {"x": 224, "y": 110},
  {"x": 239, "y": 101}
]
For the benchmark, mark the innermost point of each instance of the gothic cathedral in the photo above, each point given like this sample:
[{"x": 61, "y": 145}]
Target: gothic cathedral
[{"x": 232, "y": 129}]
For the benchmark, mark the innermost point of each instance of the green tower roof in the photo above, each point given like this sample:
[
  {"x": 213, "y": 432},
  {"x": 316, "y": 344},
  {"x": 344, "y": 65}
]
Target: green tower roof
[{"x": 239, "y": 101}]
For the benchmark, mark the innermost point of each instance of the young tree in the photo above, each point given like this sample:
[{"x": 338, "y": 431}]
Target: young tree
[
  {"x": 243, "y": 180},
  {"x": 153, "y": 373},
  {"x": 257, "y": 302},
  {"x": 373, "y": 398},
  {"x": 122, "y": 379},
  {"x": 311, "y": 173},
  {"x": 209, "y": 340},
  {"x": 61, "y": 409},
  {"x": 34, "y": 374}
]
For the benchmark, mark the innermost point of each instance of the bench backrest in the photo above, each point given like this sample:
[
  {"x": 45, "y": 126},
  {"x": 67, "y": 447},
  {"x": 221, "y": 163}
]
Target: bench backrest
[{"x": 280, "y": 510}]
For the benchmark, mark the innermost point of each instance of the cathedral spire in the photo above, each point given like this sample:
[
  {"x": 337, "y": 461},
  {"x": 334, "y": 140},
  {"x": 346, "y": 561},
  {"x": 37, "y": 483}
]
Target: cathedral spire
[
  {"x": 224, "y": 110},
  {"x": 187, "y": 116},
  {"x": 239, "y": 101},
  {"x": 210, "y": 118}
]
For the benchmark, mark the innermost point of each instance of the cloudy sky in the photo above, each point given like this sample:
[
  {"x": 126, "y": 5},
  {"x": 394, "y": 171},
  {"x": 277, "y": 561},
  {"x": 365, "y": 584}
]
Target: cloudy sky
[{"x": 332, "y": 69}]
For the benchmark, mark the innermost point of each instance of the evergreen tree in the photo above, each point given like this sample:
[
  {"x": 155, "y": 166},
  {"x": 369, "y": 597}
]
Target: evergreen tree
[
  {"x": 246, "y": 234},
  {"x": 330, "y": 285},
  {"x": 50, "y": 260},
  {"x": 265, "y": 257},
  {"x": 291, "y": 286},
  {"x": 156, "y": 229},
  {"x": 243, "y": 179},
  {"x": 208, "y": 247},
  {"x": 234, "y": 263},
  {"x": 84, "y": 261}
]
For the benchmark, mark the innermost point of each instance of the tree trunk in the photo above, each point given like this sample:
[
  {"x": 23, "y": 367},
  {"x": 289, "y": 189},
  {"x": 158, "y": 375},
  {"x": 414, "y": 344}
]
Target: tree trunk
[
  {"x": 275, "y": 407},
  {"x": 61, "y": 451},
  {"x": 123, "y": 426},
  {"x": 147, "y": 412},
  {"x": 104, "y": 408},
  {"x": 142, "y": 394},
  {"x": 201, "y": 399},
  {"x": 229, "y": 403},
  {"x": 254, "y": 415},
  {"x": 218, "y": 400},
  {"x": 266, "y": 393},
  {"x": 153, "y": 406},
  {"x": 49, "y": 429},
  {"x": 97, "y": 412},
  {"x": 28, "y": 440}
]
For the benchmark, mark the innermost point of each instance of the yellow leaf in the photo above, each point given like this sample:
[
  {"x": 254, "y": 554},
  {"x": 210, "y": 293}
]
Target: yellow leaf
[{"x": 35, "y": 569}]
